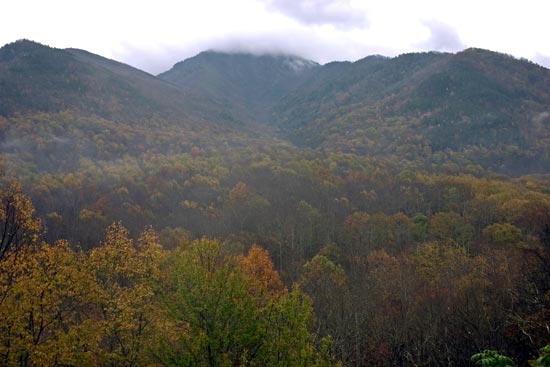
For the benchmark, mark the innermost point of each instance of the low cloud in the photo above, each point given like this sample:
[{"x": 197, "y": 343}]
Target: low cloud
[
  {"x": 300, "y": 41},
  {"x": 338, "y": 13},
  {"x": 153, "y": 62},
  {"x": 442, "y": 38},
  {"x": 542, "y": 60}
]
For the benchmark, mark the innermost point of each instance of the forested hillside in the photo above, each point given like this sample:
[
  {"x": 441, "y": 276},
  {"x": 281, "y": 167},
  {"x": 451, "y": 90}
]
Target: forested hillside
[
  {"x": 391, "y": 211},
  {"x": 474, "y": 107}
]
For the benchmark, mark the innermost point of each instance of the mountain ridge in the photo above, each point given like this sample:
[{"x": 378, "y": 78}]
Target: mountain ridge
[
  {"x": 56, "y": 79},
  {"x": 474, "y": 98},
  {"x": 38, "y": 78},
  {"x": 467, "y": 102}
]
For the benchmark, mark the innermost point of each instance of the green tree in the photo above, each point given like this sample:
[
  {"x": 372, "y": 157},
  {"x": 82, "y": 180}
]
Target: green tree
[
  {"x": 502, "y": 233},
  {"x": 491, "y": 358},
  {"x": 218, "y": 320},
  {"x": 544, "y": 357}
]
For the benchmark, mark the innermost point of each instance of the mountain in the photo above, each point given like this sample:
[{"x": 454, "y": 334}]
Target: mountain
[
  {"x": 482, "y": 107},
  {"x": 247, "y": 85},
  {"x": 474, "y": 108},
  {"x": 37, "y": 78},
  {"x": 475, "y": 101},
  {"x": 60, "y": 108}
]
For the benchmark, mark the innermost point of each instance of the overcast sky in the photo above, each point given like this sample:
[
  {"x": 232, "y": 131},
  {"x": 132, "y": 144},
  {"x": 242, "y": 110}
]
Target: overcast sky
[{"x": 153, "y": 35}]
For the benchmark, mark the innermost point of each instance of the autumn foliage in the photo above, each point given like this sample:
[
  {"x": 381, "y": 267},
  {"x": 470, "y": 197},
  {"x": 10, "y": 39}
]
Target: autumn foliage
[{"x": 131, "y": 303}]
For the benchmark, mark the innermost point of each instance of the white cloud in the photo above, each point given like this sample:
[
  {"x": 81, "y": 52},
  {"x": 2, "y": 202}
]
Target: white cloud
[
  {"x": 339, "y": 13},
  {"x": 543, "y": 60},
  {"x": 442, "y": 38},
  {"x": 155, "y": 35}
]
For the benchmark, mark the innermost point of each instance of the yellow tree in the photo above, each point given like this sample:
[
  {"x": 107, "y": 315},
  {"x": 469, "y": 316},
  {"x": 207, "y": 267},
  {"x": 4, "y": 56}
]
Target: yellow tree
[
  {"x": 45, "y": 291},
  {"x": 18, "y": 226},
  {"x": 127, "y": 274}
]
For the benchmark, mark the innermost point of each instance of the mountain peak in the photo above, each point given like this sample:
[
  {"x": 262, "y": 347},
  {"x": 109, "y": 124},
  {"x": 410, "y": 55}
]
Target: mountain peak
[
  {"x": 298, "y": 63},
  {"x": 291, "y": 62},
  {"x": 22, "y": 48},
  {"x": 35, "y": 77},
  {"x": 248, "y": 84},
  {"x": 22, "y": 44}
]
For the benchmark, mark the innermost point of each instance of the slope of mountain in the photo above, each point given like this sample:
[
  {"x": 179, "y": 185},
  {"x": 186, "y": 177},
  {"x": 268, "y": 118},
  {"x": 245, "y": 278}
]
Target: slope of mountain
[
  {"x": 477, "y": 101},
  {"x": 59, "y": 108},
  {"x": 34, "y": 78},
  {"x": 341, "y": 86},
  {"x": 246, "y": 85}
]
